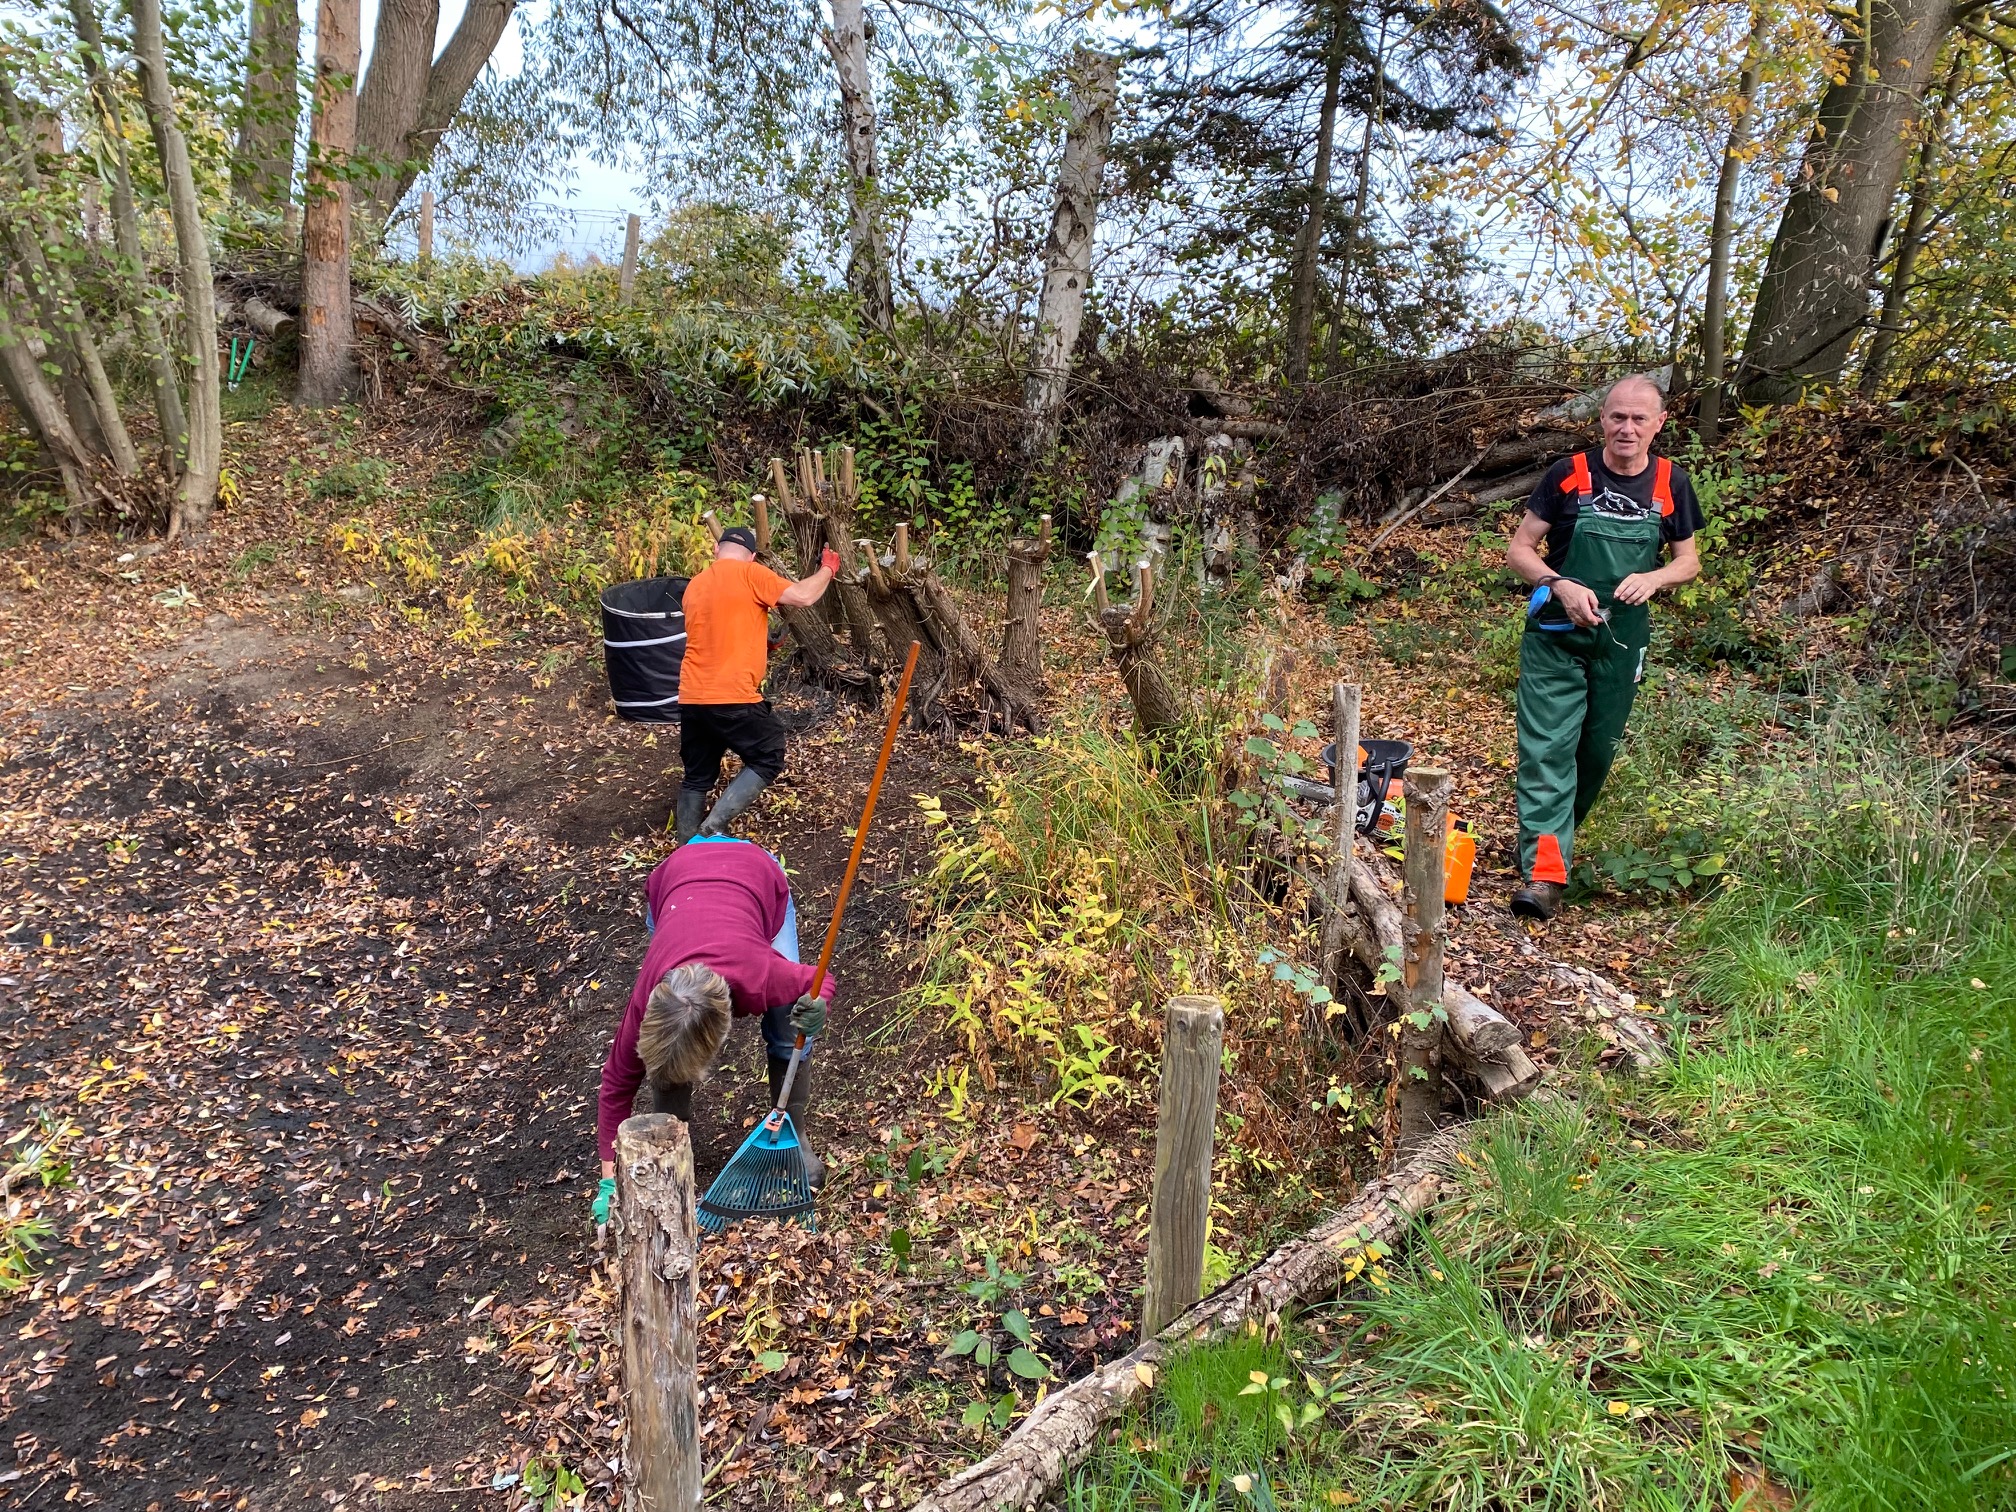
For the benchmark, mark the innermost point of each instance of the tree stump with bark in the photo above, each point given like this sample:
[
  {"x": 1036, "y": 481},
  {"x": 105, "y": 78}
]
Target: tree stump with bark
[
  {"x": 1130, "y": 636},
  {"x": 1022, "y": 624}
]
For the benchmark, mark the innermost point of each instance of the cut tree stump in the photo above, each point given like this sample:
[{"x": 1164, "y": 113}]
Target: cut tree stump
[
  {"x": 1022, "y": 625},
  {"x": 656, "y": 1244},
  {"x": 1130, "y": 635}
]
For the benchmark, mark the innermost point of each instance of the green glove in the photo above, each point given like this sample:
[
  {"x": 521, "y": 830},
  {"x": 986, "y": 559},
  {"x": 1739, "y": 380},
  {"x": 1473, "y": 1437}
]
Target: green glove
[
  {"x": 808, "y": 1016},
  {"x": 604, "y": 1194}
]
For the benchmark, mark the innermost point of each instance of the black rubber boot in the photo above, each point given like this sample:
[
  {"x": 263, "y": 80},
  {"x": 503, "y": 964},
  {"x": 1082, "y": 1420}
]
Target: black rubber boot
[
  {"x": 1537, "y": 900},
  {"x": 686, "y": 815},
  {"x": 676, "y": 1100},
  {"x": 800, "y": 1109},
  {"x": 738, "y": 796}
]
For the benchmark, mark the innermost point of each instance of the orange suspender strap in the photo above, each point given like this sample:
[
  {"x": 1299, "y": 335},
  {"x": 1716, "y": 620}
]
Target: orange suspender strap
[
  {"x": 1662, "y": 485},
  {"x": 1578, "y": 481}
]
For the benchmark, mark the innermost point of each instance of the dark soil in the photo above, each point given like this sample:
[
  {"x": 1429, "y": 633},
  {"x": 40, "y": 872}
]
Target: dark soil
[{"x": 312, "y": 962}]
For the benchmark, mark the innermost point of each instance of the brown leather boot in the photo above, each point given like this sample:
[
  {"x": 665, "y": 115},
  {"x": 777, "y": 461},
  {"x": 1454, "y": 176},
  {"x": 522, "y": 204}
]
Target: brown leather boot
[{"x": 1537, "y": 900}]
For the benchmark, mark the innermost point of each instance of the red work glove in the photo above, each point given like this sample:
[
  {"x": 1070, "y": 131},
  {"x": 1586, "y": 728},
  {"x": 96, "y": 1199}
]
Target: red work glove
[{"x": 829, "y": 560}]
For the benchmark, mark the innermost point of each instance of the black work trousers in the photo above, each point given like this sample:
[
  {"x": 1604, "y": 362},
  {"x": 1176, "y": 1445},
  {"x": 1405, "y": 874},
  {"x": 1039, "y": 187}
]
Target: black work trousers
[{"x": 707, "y": 732}]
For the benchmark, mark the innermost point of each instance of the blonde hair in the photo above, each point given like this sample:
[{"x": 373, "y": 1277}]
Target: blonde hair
[{"x": 685, "y": 1021}]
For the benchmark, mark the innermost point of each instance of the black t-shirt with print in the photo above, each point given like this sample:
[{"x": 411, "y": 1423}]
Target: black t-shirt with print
[{"x": 1614, "y": 495}]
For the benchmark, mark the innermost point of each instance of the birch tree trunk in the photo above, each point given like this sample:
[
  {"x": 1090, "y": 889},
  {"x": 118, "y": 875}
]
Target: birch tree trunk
[
  {"x": 328, "y": 334},
  {"x": 388, "y": 103},
  {"x": 203, "y": 462},
  {"x": 1715, "y": 317},
  {"x": 262, "y": 168},
  {"x": 1814, "y": 298},
  {"x": 1309, "y": 246},
  {"x": 867, "y": 250},
  {"x": 1095, "y": 83},
  {"x": 1911, "y": 241},
  {"x": 126, "y": 238}
]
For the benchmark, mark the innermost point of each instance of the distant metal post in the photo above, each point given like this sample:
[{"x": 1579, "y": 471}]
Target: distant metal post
[
  {"x": 1180, "y": 1209},
  {"x": 631, "y": 238},
  {"x": 426, "y": 227}
]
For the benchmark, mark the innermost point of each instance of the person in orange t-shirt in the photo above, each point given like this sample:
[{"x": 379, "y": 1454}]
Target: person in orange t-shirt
[{"x": 721, "y": 702}]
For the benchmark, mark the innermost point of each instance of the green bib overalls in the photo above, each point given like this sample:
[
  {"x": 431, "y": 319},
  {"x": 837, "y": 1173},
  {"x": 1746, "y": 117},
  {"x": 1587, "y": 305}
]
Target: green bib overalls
[{"x": 1576, "y": 685}]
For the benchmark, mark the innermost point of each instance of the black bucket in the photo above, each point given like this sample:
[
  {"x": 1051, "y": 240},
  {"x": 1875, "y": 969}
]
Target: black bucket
[
  {"x": 643, "y": 645},
  {"x": 1385, "y": 763}
]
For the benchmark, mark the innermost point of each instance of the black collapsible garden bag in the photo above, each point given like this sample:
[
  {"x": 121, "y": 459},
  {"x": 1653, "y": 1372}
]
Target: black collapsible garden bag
[{"x": 643, "y": 643}]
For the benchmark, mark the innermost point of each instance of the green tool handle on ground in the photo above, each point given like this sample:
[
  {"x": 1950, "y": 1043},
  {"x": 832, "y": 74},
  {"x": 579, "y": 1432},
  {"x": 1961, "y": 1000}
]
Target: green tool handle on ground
[{"x": 847, "y": 881}]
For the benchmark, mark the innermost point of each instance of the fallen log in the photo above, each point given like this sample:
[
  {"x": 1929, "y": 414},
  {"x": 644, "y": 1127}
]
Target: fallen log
[
  {"x": 1068, "y": 1424},
  {"x": 1478, "y": 1027}
]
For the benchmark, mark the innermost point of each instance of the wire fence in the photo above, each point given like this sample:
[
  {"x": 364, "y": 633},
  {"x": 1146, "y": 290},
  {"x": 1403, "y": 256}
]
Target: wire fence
[{"x": 534, "y": 237}]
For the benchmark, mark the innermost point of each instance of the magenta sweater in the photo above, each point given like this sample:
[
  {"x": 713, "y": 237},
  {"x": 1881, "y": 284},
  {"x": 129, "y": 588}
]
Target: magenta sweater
[{"x": 720, "y": 905}]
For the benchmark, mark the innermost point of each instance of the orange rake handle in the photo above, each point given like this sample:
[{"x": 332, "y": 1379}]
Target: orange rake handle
[{"x": 861, "y": 833}]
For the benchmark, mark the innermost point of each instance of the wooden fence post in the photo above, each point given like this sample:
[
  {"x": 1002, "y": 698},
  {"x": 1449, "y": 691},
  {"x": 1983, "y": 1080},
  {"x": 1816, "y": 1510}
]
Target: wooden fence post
[
  {"x": 656, "y": 1244},
  {"x": 631, "y": 237},
  {"x": 1345, "y": 699},
  {"x": 1192, "y": 1047},
  {"x": 1421, "y": 1015},
  {"x": 426, "y": 227}
]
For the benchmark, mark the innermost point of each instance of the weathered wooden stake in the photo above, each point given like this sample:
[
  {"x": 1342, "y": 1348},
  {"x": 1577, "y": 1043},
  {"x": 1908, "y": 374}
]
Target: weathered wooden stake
[
  {"x": 656, "y": 1242},
  {"x": 1192, "y": 1046},
  {"x": 762, "y": 507},
  {"x": 632, "y": 237},
  {"x": 1345, "y": 700},
  {"x": 426, "y": 227},
  {"x": 1421, "y": 1015}
]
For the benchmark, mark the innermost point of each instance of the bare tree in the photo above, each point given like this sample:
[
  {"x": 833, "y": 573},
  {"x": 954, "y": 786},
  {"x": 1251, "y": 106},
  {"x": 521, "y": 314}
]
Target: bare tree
[
  {"x": 1722, "y": 236},
  {"x": 1095, "y": 84},
  {"x": 262, "y": 169},
  {"x": 168, "y": 407},
  {"x": 1911, "y": 240},
  {"x": 1814, "y": 298},
  {"x": 203, "y": 461},
  {"x": 408, "y": 101},
  {"x": 1309, "y": 246},
  {"x": 328, "y": 335},
  {"x": 867, "y": 248}
]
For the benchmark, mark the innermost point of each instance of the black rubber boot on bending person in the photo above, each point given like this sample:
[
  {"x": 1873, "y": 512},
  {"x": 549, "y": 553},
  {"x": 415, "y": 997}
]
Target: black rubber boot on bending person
[
  {"x": 686, "y": 815},
  {"x": 676, "y": 1100},
  {"x": 800, "y": 1109},
  {"x": 738, "y": 796}
]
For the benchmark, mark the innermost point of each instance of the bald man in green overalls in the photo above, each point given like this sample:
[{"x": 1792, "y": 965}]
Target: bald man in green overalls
[{"x": 1603, "y": 532}]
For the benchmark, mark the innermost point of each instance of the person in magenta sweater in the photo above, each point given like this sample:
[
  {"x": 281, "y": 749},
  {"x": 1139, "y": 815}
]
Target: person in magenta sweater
[{"x": 724, "y": 943}]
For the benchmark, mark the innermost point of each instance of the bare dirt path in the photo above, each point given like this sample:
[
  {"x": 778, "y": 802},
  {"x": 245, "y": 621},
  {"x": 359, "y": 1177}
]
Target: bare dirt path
[{"x": 311, "y": 954}]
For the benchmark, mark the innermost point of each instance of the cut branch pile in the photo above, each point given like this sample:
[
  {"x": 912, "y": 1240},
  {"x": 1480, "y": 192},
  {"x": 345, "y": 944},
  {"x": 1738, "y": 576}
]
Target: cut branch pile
[{"x": 884, "y": 600}]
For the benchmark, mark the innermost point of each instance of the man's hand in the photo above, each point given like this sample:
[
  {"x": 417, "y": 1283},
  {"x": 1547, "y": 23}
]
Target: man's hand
[
  {"x": 829, "y": 561},
  {"x": 1580, "y": 603},
  {"x": 604, "y": 1195},
  {"x": 1639, "y": 587},
  {"x": 808, "y": 1016}
]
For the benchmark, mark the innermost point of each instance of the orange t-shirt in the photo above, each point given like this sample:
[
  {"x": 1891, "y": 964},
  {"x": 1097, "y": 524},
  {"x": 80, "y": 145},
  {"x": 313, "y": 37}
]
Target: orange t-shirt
[{"x": 728, "y": 633}]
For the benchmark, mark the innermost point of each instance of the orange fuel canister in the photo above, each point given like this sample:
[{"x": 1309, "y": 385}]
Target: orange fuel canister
[{"x": 1458, "y": 857}]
